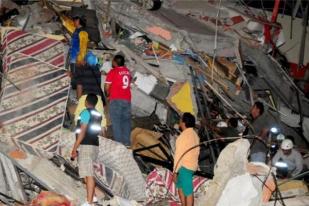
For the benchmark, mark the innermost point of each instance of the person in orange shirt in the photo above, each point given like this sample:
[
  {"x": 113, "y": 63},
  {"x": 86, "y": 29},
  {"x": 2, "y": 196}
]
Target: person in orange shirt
[{"x": 186, "y": 160}]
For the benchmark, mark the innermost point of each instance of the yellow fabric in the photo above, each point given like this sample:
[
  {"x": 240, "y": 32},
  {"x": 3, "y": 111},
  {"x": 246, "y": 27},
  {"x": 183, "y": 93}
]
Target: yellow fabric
[
  {"x": 183, "y": 99},
  {"x": 68, "y": 24},
  {"x": 186, "y": 140},
  {"x": 83, "y": 44},
  {"x": 81, "y": 106}
]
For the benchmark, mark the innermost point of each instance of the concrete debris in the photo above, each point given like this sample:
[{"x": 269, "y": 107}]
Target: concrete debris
[
  {"x": 230, "y": 196},
  {"x": 293, "y": 188},
  {"x": 231, "y": 163},
  {"x": 212, "y": 59}
]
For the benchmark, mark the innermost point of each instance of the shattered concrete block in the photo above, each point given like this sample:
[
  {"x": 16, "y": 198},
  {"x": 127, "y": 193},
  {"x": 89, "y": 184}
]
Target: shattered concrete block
[
  {"x": 146, "y": 83},
  {"x": 147, "y": 105},
  {"x": 243, "y": 197},
  {"x": 231, "y": 163}
]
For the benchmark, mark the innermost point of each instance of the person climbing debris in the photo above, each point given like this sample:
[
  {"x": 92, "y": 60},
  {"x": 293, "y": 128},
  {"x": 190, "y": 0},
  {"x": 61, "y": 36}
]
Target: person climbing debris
[
  {"x": 78, "y": 46},
  {"x": 86, "y": 146}
]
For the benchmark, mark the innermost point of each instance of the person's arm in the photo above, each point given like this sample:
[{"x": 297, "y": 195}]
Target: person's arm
[
  {"x": 108, "y": 82},
  {"x": 68, "y": 24},
  {"x": 83, "y": 44},
  {"x": 107, "y": 88},
  {"x": 276, "y": 158},
  {"x": 263, "y": 133},
  {"x": 79, "y": 139},
  {"x": 299, "y": 163}
]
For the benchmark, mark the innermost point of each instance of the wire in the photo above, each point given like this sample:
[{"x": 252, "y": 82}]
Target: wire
[
  {"x": 215, "y": 44},
  {"x": 205, "y": 143},
  {"x": 277, "y": 190}
]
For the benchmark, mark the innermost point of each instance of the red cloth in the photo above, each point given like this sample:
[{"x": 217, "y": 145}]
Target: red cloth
[
  {"x": 119, "y": 79},
  {"x": 160, "y": 186}
]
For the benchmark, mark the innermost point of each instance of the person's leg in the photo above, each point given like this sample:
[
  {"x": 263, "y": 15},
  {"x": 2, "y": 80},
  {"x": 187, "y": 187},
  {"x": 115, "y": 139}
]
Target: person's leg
[
  {"x": 180, "y": 186},
  {"x": 78, "y": 76},
  {"x": 73, "y": 75},
  {"x": 79, "y": 91},
  {"x": 189, "y": 200},
  {"x": 126, "y": 123},
  {"x": 115, "y": 116},
  {"x": 187, "y": 179},
  {"x": 181, "y": 197},
  {"x": 90, "y": 186}
]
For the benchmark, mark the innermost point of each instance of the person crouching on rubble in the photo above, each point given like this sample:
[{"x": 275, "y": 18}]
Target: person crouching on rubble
[
  {"x": 87, "y": 142},
  {"x": 259, "y": 126},
  {"x": 287, "y": 160},
  {"x": 185, "y": 164},
  {"x": 78, "y": 45}
]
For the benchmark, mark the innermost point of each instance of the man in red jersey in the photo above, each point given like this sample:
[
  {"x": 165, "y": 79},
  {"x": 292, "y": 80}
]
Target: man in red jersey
[{"x": 118, "y": 91}]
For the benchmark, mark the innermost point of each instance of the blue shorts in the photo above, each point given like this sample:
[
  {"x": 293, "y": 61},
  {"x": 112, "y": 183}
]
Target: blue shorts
[{"x": 185, "y": 181}]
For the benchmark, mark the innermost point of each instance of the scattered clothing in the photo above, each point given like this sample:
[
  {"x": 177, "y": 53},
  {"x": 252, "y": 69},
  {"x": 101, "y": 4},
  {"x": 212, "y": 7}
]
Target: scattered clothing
[
  {"x": 160, "y": 186},
  {"x": 47, "y": 198}
]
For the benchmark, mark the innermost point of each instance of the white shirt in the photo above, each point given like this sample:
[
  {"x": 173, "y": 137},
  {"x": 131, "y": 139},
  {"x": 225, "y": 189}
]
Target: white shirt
[{"x": 294, "y": 161}]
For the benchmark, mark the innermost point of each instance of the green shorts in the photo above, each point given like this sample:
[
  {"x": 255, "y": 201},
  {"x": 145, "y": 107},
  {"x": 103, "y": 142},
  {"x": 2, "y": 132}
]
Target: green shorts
[{"x": 185, "y": 181}]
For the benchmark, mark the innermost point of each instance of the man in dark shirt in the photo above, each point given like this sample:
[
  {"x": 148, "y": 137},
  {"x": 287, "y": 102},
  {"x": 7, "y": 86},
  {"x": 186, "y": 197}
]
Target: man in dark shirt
[
  {"x": 229, "y": 131},
  {"x": 88, "y": 80},
  {"x": 259, "y": 126},
  {"x": 87, "y": 131}
]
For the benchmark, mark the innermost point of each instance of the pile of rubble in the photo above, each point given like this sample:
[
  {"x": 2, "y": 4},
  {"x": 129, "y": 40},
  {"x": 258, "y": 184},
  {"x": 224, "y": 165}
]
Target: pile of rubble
[{"x": 182, "y": 60}]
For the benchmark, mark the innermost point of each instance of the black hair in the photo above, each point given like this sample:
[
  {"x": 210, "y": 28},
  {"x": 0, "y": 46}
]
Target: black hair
[
  {"x": 119, "y": 60},
  {"x": 92, "y": 99},
  {"x": 260, "y": 106},
  {"x": 291, "y": 138},
  {"x": 233, "y": 122},
  {"x": 82, "y": 20},
  {"x": 188, "y": 119}
]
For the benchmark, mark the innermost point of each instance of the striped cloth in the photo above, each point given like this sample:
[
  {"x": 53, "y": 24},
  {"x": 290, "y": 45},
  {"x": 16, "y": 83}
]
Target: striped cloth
[
  {"x": 160, "y": 186},
  {"x": 33, "y": 113}
]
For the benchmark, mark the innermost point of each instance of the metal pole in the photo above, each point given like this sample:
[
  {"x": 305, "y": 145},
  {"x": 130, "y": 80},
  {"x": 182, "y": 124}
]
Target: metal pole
[
  {"x": 303, "y": 37},
  {"x": 212, "y": 153}
]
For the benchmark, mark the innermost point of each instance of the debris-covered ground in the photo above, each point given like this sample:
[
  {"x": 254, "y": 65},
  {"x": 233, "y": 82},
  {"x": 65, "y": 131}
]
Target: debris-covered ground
[{"x": 210, "y": 58}]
